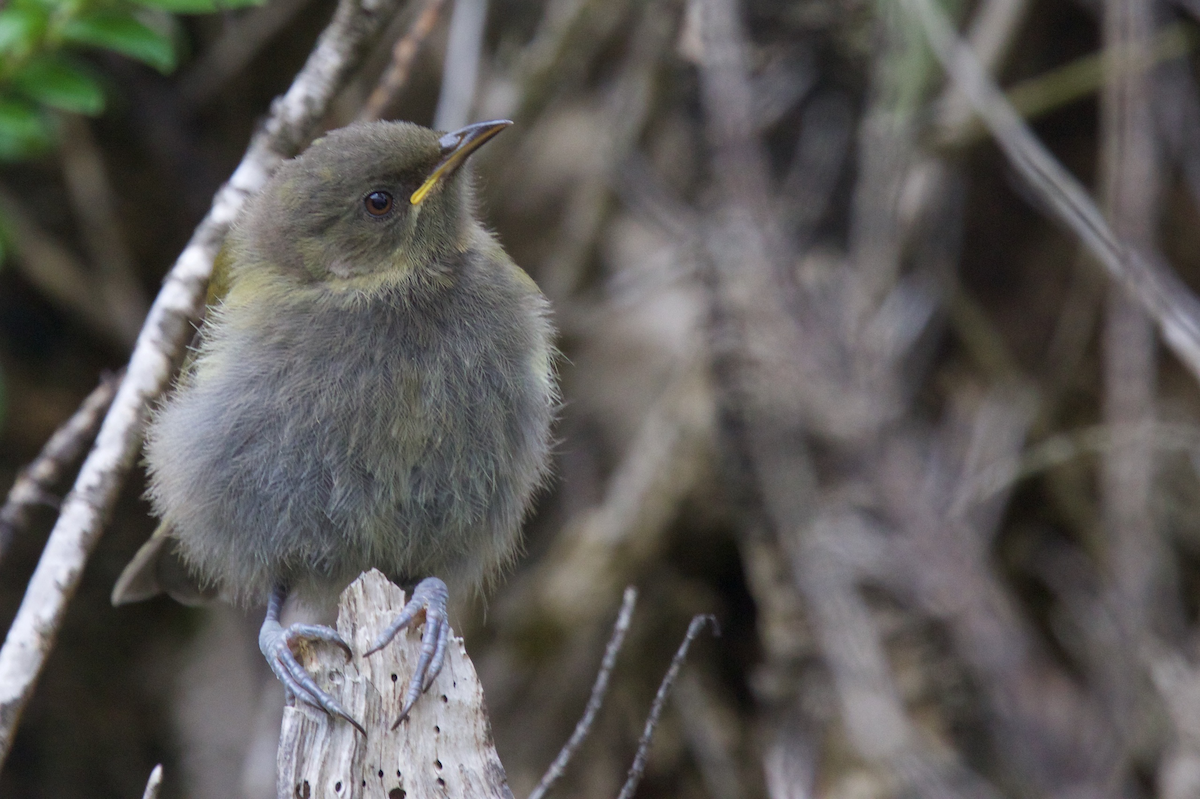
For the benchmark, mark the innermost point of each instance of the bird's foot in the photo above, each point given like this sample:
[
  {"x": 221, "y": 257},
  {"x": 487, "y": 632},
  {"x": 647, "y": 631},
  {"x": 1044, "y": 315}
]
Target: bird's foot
[
  {"x": 276, "y": 643},
  {"x": 428, "y": 600}
]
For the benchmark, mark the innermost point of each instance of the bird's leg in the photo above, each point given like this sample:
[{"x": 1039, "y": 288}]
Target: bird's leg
[
  {"x": 428, "y": 600},
  {"x": 276, "y": 644}
]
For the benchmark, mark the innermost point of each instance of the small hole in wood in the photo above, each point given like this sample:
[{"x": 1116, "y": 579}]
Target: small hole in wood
[
  {"x": 398, "y": 774},
  {"x": 437, "y": 764},
  {"x": 394, "y": 678},
  {"x": 445, "y": 698},
  {"x": 337, "y": 787},
  {"x": 441, "y": 783},
  {"x": 364, "y": 784},
  {"x": 380, "y": 773},
  {"x": 303, "y": 790},
  {"x": 436, "y": 729},
  {"x": 396, "y": 793}
]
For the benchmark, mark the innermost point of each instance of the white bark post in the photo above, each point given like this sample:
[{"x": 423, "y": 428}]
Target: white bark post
[{"x": 443, "y": 749}]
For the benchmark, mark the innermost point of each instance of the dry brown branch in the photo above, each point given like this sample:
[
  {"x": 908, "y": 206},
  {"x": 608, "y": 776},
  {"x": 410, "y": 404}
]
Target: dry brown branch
[
  {"x": 991, "y": 34},
  {"x": 1131, "y": 193},
  {"x": 821, "y": 151},
  {"x": 566, "y": 40},
  {"x": 443, "y": 748},
  {"x": 599, "y": 689},
  {"x": 789, "y": 766},
  {"x": 1177, "y": 108},
  {"x": 627, "y": 105},
  {"x": 999, "y": 475},
  {"x": 871, "y": 707},
  {"x": 1150, "y": 282},
  {"x": 761, "y": 346},
  {"x": 460, "y": 68},
  {"x": 33, "y": 484},
  {"x": 404, "y": 52},
  {"x": 660, "y": 699},
  {"x": 942, "y": 558},
  {"x": 886, "y": 152},
  {"x": 1178, "y": 684},
  {"x": 168, "y": 326}
]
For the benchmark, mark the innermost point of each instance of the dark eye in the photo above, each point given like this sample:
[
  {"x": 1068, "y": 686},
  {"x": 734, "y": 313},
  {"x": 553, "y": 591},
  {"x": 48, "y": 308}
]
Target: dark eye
[{"x": 378, "y": 203}]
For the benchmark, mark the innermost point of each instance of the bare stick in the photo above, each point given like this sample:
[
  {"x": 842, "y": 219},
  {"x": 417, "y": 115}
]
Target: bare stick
[
  {"x": 294, "y": 116},
  {"x": 443, "y": 748},
  {"x": 33, "y": 483},
  {"x": 660, "y": 699},
  {"x": 154, "y": 783},
  {"x": 994, "y": 26},
  {"x": 599, "y": 689},
  {"x": 1131, "y": 189},
  {"x": 1171, "y": 304},
  {"x": 460, "y": 69},
  {"x": 403, "y": 55}
]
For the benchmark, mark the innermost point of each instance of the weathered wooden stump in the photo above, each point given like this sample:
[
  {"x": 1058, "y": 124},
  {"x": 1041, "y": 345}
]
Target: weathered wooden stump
[{"x": 443, "y": 749}]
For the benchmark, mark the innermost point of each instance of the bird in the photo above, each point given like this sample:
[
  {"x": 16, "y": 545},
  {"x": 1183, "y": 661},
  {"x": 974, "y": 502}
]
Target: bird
[{"x": 373, "y": 385}]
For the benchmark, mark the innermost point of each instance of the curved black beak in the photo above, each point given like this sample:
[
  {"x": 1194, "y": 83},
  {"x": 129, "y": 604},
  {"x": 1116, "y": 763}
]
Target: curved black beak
[{"x": 456, "y": 146}]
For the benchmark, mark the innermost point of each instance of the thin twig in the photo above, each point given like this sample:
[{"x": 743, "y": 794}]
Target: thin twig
[
  {"x": 403, "y": 54},
  {"x": 1156, "y": 288},
  {"x": 294, "y": 117},
  {"x": 35, "y": 480},
  {"x": 660, "y": 699},
  {"x": 1057, "y": 450},
  {"x": 1049, "y": 91},
  {"x": 1131, "y": 188},
  {"x": 993, "y": 30},
  {"x": 599, "y": 689},
  {"x": 154, "y": 783},
  {"x": 460, "y": 68}
]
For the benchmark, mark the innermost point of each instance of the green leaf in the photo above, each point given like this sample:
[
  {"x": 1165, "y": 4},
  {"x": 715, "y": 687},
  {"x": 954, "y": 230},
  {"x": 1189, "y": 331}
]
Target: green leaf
[
  {"x": 58, "y": 83},
  {"x": 123, "y": 34},
  {"x": 198, "y": 6},
  {"x": 20, "y": 28},
  {"x": 24, "y": 129}
]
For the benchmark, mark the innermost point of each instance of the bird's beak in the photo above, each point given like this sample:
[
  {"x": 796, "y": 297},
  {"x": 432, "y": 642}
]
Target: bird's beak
[{"x": 456, "y": 147}]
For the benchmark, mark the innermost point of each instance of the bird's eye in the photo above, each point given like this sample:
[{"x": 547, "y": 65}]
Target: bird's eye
[{"x": 378, "y": 203}]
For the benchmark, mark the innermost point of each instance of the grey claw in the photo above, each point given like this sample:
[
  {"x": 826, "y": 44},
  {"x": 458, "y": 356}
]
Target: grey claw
[
  {"x": 276, "y": 645},
  {"x": 318, "y": 632},
  {"x": 429, "y": 599},
  {"x": 439, "y": 656}
]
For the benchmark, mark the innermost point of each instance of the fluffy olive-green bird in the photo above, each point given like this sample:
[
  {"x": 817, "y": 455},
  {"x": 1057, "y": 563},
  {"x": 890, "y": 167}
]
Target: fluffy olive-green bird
[{"x": 372, "y": 387}]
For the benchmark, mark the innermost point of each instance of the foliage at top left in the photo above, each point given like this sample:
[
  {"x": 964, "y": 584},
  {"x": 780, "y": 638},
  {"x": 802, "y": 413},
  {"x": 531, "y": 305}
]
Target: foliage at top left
[{"x": 41, "y": 68}]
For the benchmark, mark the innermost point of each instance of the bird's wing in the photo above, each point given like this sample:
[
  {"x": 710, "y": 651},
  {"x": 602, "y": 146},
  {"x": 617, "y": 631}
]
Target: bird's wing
[{"x": 157, "y": 568}]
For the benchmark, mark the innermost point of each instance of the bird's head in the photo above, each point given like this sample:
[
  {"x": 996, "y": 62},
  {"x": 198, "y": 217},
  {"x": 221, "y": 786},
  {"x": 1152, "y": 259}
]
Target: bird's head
[{"x": 364, "y": 202}]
